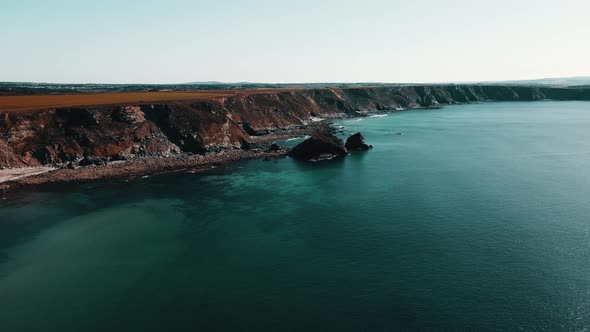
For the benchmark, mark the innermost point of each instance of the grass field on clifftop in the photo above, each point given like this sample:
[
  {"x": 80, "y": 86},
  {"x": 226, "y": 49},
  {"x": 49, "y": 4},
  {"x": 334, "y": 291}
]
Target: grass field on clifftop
[{"x": 21, "y": 103}]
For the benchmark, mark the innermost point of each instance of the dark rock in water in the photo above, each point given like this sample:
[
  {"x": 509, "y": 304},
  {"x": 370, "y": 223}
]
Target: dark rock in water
[
  {"x": 357, "y": 142},
  {"x": 274, "y": 147},
  {"x": 322, "y": 145}
]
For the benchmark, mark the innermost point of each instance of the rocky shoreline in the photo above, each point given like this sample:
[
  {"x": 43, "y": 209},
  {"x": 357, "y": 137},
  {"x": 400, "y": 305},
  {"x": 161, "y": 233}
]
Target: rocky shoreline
[
  {"x": 322, "y": 145},
  {"x": 263, "y": 148},
  {"x": 137, "y": 168}
]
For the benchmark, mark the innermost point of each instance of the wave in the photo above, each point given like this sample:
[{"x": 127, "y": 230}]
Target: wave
[{"x": 378, "y": 116}]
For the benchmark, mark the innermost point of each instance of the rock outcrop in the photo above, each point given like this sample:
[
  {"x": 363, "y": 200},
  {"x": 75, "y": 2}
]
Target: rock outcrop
[
  {"x": 357, "y": 142},
  {"x": 322, "y": 145},
  {"x": 9, "y": 159},
  {"x": 274, "y": 147}
]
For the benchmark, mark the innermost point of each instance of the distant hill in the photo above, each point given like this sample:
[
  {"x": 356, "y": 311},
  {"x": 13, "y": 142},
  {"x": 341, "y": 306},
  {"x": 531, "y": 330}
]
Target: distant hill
[
  {"x": 31, "y": 88},
  {"x": 206, "y": 83},
  {"x": 561, "y": 81}
]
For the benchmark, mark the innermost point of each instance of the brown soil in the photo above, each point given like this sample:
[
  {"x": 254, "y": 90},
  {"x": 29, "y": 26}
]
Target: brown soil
[{"x": 22, "y": 103}]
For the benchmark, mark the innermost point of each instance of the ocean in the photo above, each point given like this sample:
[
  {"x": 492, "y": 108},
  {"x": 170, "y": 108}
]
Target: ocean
[{"x": 469, "y": 217}]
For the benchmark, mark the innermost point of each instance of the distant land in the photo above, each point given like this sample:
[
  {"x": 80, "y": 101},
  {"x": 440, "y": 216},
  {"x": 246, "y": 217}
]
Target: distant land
[
  {"x": 12, "y": 88},
  {"x": 563, "y": 81}
]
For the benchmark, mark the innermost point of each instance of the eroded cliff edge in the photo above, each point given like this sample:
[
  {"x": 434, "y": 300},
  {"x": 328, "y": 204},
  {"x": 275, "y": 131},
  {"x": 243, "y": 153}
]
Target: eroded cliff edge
[{"x": 102, "y": 134}]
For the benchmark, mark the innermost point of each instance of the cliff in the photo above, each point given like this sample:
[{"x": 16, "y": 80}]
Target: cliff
[{"x": 102, "y": 133}]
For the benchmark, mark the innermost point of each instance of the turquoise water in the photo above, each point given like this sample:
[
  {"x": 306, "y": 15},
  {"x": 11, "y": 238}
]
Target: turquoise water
[{"x": 475, "y": 217}]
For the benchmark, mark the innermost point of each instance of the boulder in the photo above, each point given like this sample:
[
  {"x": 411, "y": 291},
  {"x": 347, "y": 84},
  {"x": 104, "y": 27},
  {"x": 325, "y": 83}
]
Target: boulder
[
  {"x": 132, "y": 115},
  {"x": 322, "y": 145},
  {"x": 254, "y": 132},
  {"x": 274, "y": 147},
  {"x": 357, "y": 142}
]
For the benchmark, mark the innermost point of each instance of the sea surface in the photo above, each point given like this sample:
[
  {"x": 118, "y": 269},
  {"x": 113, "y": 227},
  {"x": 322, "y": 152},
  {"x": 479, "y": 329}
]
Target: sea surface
[{"x": 471, "y": 217}]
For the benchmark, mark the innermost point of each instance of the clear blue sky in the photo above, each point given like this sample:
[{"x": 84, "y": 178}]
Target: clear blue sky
[{"x": 292, "y": 41}]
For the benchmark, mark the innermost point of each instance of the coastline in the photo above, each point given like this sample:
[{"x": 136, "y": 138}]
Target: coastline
[
  {"x": 138, "y": 137},
  {"x": 137, "y": 168},
  {"x": 182, "y": 162},
  {"x": 17, "y": 178},
  {"x": 260, "y": 148}
]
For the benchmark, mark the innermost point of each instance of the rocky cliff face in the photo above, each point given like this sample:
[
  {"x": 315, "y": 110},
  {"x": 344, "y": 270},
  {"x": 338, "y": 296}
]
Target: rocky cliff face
[
  {"x": 8, "y": 158},
  {"x": 105, "y": 133}
]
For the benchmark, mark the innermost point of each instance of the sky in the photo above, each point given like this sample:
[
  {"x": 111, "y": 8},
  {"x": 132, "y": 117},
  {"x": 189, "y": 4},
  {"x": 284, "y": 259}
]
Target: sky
[{"x": 176, "y": 41}]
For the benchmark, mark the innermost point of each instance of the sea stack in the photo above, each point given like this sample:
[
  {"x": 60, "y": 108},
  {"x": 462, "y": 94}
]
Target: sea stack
[
  {"x": 323, "y": 145},
  {"x": 357, "y": 142}
]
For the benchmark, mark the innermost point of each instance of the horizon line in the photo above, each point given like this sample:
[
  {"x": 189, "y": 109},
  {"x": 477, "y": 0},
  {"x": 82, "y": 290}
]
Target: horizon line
[{"x": 295, "y": 83}]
